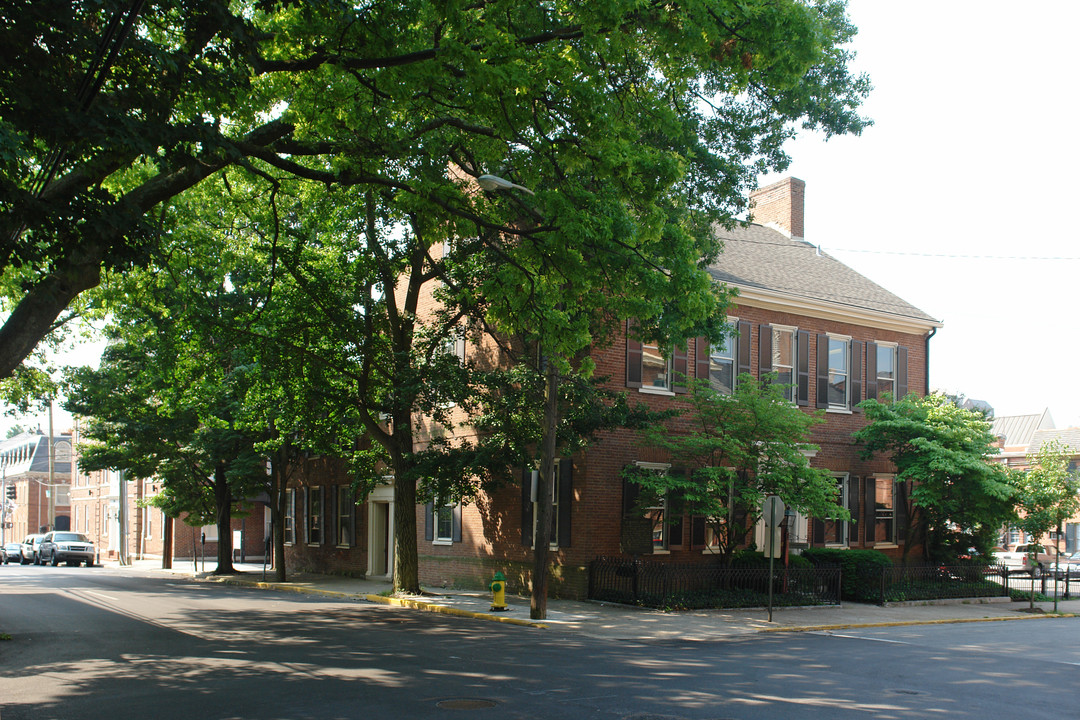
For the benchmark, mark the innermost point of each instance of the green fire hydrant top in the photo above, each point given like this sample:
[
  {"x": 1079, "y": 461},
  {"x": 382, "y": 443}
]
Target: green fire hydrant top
[{"x": 499, "y": 577}]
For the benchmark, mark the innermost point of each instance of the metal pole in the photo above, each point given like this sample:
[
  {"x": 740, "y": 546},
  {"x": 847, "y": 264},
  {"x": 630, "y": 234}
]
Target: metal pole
[
  {"x": 772, "y": 552},
  {"x": 52, "y": 475},
  {"x": 123, "y": 520}
]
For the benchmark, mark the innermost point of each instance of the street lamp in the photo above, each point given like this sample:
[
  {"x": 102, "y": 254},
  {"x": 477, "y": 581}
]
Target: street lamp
[{"x": 548, "y": 448}]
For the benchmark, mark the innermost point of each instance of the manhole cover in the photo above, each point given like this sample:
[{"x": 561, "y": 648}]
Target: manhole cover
[{"x": 465, "y": 704}]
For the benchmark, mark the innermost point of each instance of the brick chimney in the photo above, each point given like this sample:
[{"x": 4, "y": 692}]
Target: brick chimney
[{"x": 780, "y": 206}]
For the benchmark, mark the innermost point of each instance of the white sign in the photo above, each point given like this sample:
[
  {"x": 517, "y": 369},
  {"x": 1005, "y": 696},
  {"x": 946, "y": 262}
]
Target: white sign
[{"x": 772, "y": 511}]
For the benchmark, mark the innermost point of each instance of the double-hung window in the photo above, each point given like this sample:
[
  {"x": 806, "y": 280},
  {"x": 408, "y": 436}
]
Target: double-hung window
[
  {"x": 838, "y": 532},
  {"x": 314, "y": 509},
  {"x": 289, "y": 521},
  {"x": 345, "y": 507},
  {"x": 657, "y": 514},
  {"x": 656, "y": 369},
  {"x": 444, "y": 524},
  {"x": 784, "y": 351},
  {"x": 839, "y": 372},
  {"x": 722, "y": 363},
  {"x": 884, "y": 532},
  {"x": 886, "y": 369}
]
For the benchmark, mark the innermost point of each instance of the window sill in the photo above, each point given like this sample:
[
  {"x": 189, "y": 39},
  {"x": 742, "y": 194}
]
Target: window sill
[
  {"x": 650, "y": 390},
  {"x": 442, "y": 542},
  {"x": 343, "y": 547},
  {"x": 661, "y": 552},
  {"x": 838, "y": 411},
  {"x": 884, "y": 545}
]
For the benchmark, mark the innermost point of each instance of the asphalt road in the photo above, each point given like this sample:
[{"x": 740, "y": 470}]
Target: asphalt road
[{"x": 94, "y": 643}]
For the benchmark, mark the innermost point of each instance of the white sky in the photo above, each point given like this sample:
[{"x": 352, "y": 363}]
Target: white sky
[
  {"x": 972, "y": 155},
  {"x": 968, "y": 169}
]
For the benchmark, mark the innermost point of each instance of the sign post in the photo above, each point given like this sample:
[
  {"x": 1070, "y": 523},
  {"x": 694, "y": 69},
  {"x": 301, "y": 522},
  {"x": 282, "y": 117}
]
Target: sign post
[{"x": 773, "y": 514}]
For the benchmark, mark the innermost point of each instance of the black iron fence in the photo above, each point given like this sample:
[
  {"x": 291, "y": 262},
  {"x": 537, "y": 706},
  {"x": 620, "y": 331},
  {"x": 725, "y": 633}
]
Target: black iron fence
[
  {"x": 1048, "y": 581},
  {"x": 906, "y": 583},
  {"x": 700, "y": 585}
]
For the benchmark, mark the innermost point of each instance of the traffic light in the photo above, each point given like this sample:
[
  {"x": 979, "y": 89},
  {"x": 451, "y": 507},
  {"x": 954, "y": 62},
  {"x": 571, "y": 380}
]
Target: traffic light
[{"x": 11, "y": 490}]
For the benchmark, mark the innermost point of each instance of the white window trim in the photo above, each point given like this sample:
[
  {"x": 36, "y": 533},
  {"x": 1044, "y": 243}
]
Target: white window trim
[
  {"x": 308, "y": 515},
  {"x": 669, "y": 359},
  {"x": 793, "y": 387},
  {"x": 338, "y": 515},
  {"x": 896, "y": 361},
  {"x": 844, "y": 409},
  {"x": 289, "y": 512},
  {"x": 734, "y": 353},
  {"x": 436, "y": 540}
]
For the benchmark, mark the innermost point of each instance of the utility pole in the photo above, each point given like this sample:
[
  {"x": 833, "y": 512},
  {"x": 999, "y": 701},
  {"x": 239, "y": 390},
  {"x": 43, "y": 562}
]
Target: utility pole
[
  {"x": 51, "y": 520},
  {"x": 122, "y": 516}
]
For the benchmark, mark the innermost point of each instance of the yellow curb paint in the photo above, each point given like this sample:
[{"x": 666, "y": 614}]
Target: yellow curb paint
[
  {"x": 903, "y": 623},
  {"x": 432, "y": 607}
]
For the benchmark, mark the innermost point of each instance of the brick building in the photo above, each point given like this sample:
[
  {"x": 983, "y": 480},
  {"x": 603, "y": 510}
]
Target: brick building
[
  {"x": 831, "y": 333},
  {"x": 24, "y": 466},
  {"x": 834, "y": 335}
]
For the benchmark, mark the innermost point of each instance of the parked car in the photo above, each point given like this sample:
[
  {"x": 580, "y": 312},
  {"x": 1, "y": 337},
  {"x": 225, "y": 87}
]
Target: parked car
[
  {"x": 63, "y": 546},
  {"x": 12, "y": 552},
  {"x": 29, "y": 548},
  {"x": 1020, "y": 555}
]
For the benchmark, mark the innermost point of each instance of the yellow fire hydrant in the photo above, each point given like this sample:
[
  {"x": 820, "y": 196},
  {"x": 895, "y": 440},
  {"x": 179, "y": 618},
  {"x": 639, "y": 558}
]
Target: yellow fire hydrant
[{"x": 498, "y": 592}]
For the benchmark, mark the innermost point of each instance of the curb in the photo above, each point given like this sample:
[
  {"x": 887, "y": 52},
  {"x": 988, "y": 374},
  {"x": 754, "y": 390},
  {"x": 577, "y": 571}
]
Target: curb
[
  {"x": 432, "y": 607},
  {"x": 905, "y": 623},
  {"x": 382, "y": 600}
]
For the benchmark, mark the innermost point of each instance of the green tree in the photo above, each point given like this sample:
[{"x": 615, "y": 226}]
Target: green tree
[
  {"x": 1048, "y": 493},
  {"x": 742, "y": 448},
  {"x": 958, "y": 497},
  {"x": 109, "y": 109}
]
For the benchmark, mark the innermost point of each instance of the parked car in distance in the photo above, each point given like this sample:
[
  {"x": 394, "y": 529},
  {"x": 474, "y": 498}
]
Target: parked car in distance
[
  {"x": 30, "y": 548},
  {"x": 12, "y": 552},
  {"x": 1020, "y": 555},
  {"x": 64, "y": 546}
]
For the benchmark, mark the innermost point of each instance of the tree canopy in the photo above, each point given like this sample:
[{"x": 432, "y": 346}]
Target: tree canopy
[
  {"x": 1047, "y": 493},
  {"x": 960, "y": 499},
  {"x": 640, "y": 120}
]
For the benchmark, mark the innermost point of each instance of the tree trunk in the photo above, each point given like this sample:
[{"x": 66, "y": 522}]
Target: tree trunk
[
  {"x": 278, "y": 496},
  {"x": 406, "y": 564},
  {"x": 223, "y": 499},
  {"x": 167, "y": 544},
  {"x": 542, "y": 532}
]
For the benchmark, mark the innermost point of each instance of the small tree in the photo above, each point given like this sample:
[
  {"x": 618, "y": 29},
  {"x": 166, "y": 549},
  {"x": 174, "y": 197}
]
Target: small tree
[
  {"x": 1046, "y": 494},
  {"x": 958, "y": 498},
  {"x": 743, "y": 447}
]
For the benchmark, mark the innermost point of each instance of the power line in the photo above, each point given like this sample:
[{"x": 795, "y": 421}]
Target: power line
[{"x": 953, "y": 255}]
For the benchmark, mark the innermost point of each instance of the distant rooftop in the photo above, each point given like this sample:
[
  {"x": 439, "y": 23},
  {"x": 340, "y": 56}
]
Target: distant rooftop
[{"x": 1018, "y": 430}]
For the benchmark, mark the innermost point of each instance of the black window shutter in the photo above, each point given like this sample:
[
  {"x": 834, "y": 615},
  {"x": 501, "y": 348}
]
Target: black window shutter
[
  {"x": 856, "y": 375},
  {"x": 901, "y": 372},
  {"x": 429, "y": 521},
  {"x": 455, "y": 522},
  {"x": 871, "y": 371},
  {"x": 697, "y": 531},
  {"x": 680, "y": 369},
  {"x": 701, "y": 364},
  {"x": 630, "y": 491},
  {"x": 633, "y": 360},
  {"x": 566, "y": 500},
  {"x": 853, "y": 509},
  {"x": 764, "y": 350},
  {"x": 823, "y": 371},
  {"x": 744, "y": 348},
  {"x": 818, "y": 534},
  {"x": 526, "y": 507},
  {"x": 869, "y": 511},
  {"x": 802, "y": 387},
  {"x": 900, "y": 498}
]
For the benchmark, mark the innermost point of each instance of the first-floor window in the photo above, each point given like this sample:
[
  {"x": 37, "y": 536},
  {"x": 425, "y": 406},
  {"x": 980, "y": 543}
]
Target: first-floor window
[
  {"x": 289, "y": 521},
  {"x": 314, "y": 515},
  {"x": 147, "y": 530},
  {"x": 837, "y": 532},
  {"x": 884, "y": 510},
  {"x": 657, "y": 514},
  {"x": 444, "y": 523},
  {"x": 345, "y": 507}
]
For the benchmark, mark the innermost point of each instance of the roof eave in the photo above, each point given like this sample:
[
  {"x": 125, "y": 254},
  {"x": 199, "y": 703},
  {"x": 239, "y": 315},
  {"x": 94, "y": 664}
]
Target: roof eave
[{"x": 786, "y": 302}]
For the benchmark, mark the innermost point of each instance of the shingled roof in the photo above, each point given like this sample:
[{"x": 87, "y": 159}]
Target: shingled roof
[{"x": 762, "y": 258}]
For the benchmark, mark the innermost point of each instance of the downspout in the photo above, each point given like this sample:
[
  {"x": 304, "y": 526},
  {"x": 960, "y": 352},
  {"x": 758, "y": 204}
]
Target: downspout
[{"x": 926, "y": 362}]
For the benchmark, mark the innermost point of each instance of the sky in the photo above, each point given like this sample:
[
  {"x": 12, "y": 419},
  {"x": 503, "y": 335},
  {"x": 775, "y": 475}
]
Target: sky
[{"x": 960, "y": 198}]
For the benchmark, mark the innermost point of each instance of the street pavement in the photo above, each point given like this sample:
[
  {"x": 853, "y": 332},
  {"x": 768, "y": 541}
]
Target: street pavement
[{"x": 620, "y": 622}]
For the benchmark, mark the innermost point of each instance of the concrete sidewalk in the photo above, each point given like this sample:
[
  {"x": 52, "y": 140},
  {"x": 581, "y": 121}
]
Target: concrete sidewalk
[{"x": 612, "y": 621}]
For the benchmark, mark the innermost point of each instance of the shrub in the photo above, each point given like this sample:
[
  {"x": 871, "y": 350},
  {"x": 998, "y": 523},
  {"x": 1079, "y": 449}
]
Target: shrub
[
  {"x": 860, "y": 570},
  {"x": 748, "y": 558}
]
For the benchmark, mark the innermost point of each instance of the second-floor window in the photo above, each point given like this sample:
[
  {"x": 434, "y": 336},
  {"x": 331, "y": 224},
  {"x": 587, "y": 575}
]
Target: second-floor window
[
  {"x": 655, "y": 367},
  {"x": 886, "y": 369},
  {"x": 783, "y": 359},
  {"x": 839, "y": 372},
  {"x": 722, "y": 372}
]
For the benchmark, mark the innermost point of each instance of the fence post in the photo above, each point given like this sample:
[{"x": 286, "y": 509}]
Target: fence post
[
  {"x": 635, "y": 584},
  {"x": 592, "y": 579},
  {"x": 881, "y": 600}
]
